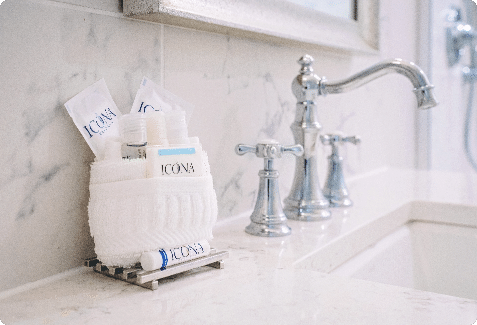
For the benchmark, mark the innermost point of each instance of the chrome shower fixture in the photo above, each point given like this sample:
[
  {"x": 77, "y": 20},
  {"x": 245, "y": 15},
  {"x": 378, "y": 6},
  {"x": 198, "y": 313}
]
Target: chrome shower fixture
[{"x": 458, "y": 36}]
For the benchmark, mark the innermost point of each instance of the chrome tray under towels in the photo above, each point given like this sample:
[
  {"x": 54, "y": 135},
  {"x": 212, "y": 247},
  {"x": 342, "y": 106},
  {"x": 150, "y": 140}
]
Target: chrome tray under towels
[{"x": 150, "y": 279}]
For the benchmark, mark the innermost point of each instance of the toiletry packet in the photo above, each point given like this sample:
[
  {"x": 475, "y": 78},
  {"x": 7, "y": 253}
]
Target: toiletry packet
[
  {"x": 151, "y": 97},
  {"x": 96, "y": 116}
]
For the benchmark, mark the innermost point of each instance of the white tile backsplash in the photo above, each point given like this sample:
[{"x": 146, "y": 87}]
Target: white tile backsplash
[{"x": 241, "y": 90}]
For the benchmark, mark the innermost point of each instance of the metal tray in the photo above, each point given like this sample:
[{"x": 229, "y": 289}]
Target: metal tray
[{"x": 150, "y": 279}]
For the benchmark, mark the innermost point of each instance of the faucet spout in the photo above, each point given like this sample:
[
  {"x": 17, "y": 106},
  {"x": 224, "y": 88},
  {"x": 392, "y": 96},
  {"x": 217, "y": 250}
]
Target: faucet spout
[{"x": 422, "y": 87}]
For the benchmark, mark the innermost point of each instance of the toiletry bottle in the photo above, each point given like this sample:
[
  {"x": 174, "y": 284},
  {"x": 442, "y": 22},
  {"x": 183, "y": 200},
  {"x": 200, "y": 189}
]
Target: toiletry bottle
[
  {"x": 176, "y": 127},
  {"x": 134, "y": 136},
  {"x": 156, "y": 129}
]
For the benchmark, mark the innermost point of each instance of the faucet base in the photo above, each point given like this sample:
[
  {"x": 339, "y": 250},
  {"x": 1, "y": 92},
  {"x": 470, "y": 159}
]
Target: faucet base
[
  {"x": 268, "y": 230},
  {"x": 341, "y": 203},
  {"x": 304, "y": 211}
]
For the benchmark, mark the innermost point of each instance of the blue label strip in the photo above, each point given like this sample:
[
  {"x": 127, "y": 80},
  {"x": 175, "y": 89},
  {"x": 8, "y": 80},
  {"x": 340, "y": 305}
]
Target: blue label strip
[
  {"x": 164, "y": 259},
  {"x": 176, "y": 151}
]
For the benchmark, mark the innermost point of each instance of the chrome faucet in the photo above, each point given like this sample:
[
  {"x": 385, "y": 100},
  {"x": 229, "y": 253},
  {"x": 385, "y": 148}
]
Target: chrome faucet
[
  {"x": 306, "y": 201},
  {"x": 335, "y": 188},
  {"x": 268, "y": 219}
]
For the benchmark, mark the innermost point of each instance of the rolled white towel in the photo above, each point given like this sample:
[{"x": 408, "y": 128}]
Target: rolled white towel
[
  {"x": 109, "y": 171},
  {"x": 130, "y": 217}
]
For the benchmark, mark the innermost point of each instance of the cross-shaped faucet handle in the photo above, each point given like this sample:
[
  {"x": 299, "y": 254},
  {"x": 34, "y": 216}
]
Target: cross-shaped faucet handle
[{"x": 269, "y": 149}]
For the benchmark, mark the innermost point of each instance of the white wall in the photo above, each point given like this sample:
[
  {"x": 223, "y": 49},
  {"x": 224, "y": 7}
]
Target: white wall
[{"x": 50, "y": 51}]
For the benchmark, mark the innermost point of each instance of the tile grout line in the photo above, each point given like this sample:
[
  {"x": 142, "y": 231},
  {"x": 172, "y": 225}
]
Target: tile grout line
[
  {"x": 163, "y": 73},
  {"x": 80, "y": 8}
]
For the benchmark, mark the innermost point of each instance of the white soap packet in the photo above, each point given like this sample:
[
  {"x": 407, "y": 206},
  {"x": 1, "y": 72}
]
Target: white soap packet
[
  {"x": 153, "y": 98},
  {"x": 96, "y": 116}
]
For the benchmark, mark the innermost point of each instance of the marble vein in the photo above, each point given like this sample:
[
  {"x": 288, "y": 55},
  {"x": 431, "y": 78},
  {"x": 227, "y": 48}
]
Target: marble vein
[{"x": 28, "y": 205}]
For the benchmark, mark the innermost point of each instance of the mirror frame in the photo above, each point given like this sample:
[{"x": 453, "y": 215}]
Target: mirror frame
[{"x": 273, "y": 21}]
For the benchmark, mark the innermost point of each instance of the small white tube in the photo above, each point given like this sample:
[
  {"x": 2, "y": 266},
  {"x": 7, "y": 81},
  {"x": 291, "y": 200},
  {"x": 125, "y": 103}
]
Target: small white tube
[{"x": 165, "y": 257}]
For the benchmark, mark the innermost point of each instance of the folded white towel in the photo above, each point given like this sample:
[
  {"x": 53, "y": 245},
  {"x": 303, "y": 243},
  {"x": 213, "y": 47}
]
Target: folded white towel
[
  {"x": 130, "y": 217},
  {"x": 107, "y": 171}
]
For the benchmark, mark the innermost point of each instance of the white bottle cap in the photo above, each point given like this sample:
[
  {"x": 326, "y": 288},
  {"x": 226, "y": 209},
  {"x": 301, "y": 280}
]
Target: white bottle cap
[
  {"x": 133, "y": 128},
  {"x": 151, "y": 261}
]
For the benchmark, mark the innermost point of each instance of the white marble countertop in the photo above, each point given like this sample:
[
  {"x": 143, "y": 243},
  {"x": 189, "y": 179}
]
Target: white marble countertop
[{"x": 261, "y": 283}]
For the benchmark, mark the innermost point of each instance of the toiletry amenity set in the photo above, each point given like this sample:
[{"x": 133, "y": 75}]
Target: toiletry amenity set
[{"x": 152, "y": 202}]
